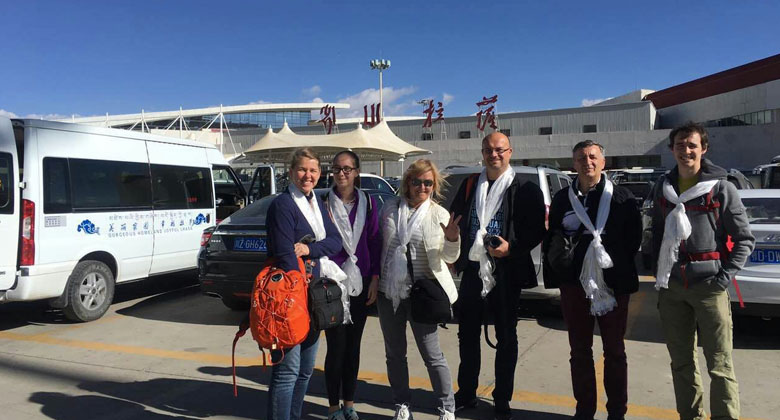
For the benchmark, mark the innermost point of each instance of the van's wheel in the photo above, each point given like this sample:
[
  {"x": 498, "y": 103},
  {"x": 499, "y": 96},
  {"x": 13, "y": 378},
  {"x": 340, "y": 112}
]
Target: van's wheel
[{"x": 90, "y": 291}]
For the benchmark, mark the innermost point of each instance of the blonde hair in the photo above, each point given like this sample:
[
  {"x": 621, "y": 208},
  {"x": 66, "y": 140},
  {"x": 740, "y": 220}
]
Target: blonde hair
[
  {"x": 300, "y": 153},
  {"x": 419, "y": 167}
]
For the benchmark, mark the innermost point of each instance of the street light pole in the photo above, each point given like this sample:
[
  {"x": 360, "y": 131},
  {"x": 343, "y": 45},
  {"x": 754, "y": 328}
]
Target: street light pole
[{"x": 380, "y": 65}]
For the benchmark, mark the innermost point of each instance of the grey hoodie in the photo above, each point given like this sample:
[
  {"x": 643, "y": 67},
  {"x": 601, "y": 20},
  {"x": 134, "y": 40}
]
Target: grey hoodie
[{"x": 729, "y": 219}]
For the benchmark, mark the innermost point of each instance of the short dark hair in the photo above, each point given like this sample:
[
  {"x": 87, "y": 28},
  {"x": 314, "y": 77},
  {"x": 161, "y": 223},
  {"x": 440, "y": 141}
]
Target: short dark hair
[
  {"x": 351, "y": 154},
  {"x": 686, "y": 130},
  {"x": 586, "y": 143}
]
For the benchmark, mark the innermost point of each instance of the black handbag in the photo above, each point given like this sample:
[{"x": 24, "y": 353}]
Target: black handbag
[
  {"x": 430, "y": 303},
  {"x": 325, "y": 307},
  {"x": 559, "y": 252}
]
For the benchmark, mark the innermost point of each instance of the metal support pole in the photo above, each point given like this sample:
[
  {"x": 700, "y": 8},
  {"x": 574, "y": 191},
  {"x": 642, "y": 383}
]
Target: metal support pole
[{"x": 221, "y": 135}]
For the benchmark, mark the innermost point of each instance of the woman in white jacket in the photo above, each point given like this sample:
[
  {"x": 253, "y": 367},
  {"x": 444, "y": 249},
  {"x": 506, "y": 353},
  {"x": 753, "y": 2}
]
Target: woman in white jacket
[{"x": 416, "y": 226}]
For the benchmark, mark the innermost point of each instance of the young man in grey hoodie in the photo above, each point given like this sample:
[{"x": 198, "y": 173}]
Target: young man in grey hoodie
[{"x": 695, "y": 211}]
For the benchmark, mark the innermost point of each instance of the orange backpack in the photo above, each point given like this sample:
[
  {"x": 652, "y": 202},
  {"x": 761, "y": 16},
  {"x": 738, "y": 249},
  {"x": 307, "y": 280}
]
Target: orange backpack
[{"x": 279, "y": 313}]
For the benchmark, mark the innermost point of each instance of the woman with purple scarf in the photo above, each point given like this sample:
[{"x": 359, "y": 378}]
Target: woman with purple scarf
[{"x": 355, "y": 215}]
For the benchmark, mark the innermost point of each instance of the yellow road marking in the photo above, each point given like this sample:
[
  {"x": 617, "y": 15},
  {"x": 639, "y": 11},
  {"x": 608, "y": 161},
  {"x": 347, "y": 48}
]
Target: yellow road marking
[{"x": 368, "y": 376}]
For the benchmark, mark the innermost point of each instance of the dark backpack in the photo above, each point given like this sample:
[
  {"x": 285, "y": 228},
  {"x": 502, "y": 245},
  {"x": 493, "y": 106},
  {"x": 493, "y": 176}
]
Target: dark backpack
[{"x": 325, "y": 307}]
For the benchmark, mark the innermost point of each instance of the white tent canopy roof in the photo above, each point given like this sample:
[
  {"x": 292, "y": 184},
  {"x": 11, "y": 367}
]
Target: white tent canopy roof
[{"x": 376, "y": 143}]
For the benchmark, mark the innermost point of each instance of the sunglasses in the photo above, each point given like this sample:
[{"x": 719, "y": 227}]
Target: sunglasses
[
  {"x": 346, "y": 169},
  {"x": 417, "y": 182}
]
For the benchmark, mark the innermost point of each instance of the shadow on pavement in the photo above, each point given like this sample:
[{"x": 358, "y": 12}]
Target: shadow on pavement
[
  {"x": 179, "y": 306},
  {"x": 167, "y": 287},
  {"x": 61, "y": 406}
]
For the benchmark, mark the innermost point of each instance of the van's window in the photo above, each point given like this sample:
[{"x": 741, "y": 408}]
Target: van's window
[
  {"x": 104, "y": 184},
  {"x": 56, "y": 186},
  {"x": 6, "y": 179},
  {"x": 181, "y": 187}
]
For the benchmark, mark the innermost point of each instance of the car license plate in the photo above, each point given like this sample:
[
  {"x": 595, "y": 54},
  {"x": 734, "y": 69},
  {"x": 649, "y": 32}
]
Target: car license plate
[
  {"x": 249, "y": 244},
  {"x": 765, "y": 256}
]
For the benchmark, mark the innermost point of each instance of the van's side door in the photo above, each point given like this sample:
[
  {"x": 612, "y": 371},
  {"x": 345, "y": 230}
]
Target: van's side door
[{"x": 9, "y": 208}]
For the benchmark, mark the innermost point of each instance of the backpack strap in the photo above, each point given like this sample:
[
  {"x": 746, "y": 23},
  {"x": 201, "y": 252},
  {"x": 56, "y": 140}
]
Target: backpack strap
[{"x": 470, "y": 181}]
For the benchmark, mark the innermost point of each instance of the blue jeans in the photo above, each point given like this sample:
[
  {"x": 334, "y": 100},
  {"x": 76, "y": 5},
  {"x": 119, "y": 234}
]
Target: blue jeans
[{"x": 290, "y": 379}]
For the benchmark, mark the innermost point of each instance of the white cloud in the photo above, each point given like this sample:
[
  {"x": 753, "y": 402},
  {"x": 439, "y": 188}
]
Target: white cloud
[
  {"x": 591, "y": 102},
  {"x": 391, "y": 96},
  {"x": 312, "y": 91},
  {"x": 9, "y": 114},
  {"x": 447, "y": 98},
  {"x": 258, "y": 102},
  {"x": 50, "y": 116},
  {"x": 317, "y": 100}
]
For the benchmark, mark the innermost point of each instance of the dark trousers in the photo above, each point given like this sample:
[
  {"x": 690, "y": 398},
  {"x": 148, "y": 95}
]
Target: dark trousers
[
  {"x": 502, "y": 301},
  {"x": 342, "y": 361},
  {"x": 576, "y": 312}
]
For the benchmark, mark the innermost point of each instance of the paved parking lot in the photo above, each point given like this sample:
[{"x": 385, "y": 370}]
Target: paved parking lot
[{"x": 163, "y": 352}]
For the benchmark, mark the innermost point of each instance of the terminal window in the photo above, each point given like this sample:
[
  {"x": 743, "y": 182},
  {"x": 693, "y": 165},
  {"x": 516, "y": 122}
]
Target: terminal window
[
  {"x": 545, "y": 131},
  {"x": 589, "y": 128},
  {"x": 464, "y": 134},
  {"x": 427, "y": 136}
]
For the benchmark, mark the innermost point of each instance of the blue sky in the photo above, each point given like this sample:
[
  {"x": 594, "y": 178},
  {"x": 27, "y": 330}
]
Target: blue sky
[{"x": 88, "y": 58}]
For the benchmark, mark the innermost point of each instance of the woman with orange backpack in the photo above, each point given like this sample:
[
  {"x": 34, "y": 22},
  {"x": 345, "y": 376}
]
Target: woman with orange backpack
[
  {"x": 355, "y": 215},
  {"x": 293, "y": 215}
]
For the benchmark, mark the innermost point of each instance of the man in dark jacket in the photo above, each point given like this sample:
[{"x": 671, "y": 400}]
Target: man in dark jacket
[
  {"x": 694, "y": 269},
  {"x": 503, "y": 219},
  {"x": 567, "y": 249}
]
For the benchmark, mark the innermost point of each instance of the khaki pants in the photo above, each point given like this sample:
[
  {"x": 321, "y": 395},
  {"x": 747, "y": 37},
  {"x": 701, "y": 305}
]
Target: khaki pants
[{"x": 683, "y": 310}]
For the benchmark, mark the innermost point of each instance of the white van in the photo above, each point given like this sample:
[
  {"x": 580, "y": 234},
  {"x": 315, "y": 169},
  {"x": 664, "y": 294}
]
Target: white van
[{"x": 83, "y": 208}]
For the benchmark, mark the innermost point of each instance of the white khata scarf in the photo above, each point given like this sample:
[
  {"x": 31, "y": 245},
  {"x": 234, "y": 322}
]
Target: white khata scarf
[
  {"x": 350, "y": 236},
  {"x": 311, "y": 211},
  {"x": 486, "y": 206},
  {"x": 397, "y": 264},
  {"x": 677, "y": 228},
  {"x": 602, "y": 299}
]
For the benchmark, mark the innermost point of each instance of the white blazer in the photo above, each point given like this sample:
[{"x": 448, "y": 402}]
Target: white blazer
[{"x": 439, "y": 250}]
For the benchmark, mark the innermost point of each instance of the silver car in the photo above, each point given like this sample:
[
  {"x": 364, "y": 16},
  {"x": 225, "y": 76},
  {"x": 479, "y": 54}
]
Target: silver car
[
  {"x": 549, "y": 180},
  {"x": 759, "y": 280}
]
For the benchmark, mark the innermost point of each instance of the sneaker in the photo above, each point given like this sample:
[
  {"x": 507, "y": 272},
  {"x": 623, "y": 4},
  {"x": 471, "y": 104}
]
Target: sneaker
[
  {"x": 402, "y": 412},
  {"x": 350, "y": 413},
  {"x": 446, "y": 415},
  {"x": 465, "y": 403},
  {"x": 336, "y": 415}
]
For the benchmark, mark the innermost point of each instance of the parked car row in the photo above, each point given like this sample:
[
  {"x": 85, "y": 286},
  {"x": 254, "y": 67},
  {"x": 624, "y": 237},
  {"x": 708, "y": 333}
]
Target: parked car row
[{"x": 233, "y": 252}]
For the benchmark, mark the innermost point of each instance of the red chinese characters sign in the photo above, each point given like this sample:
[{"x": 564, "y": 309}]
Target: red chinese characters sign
[
  {"x": 487, "y": 113},
  {"x": 375, "y": 115},
  {"x": 329, "y": 117},
  {"x": 429, "y": 110}
]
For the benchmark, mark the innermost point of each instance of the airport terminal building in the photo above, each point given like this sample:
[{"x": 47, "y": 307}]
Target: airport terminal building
[{"x": 740, "y": 107}]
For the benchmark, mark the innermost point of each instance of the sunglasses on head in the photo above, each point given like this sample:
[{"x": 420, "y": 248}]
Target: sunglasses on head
[{"x": 417, "y": 182}]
